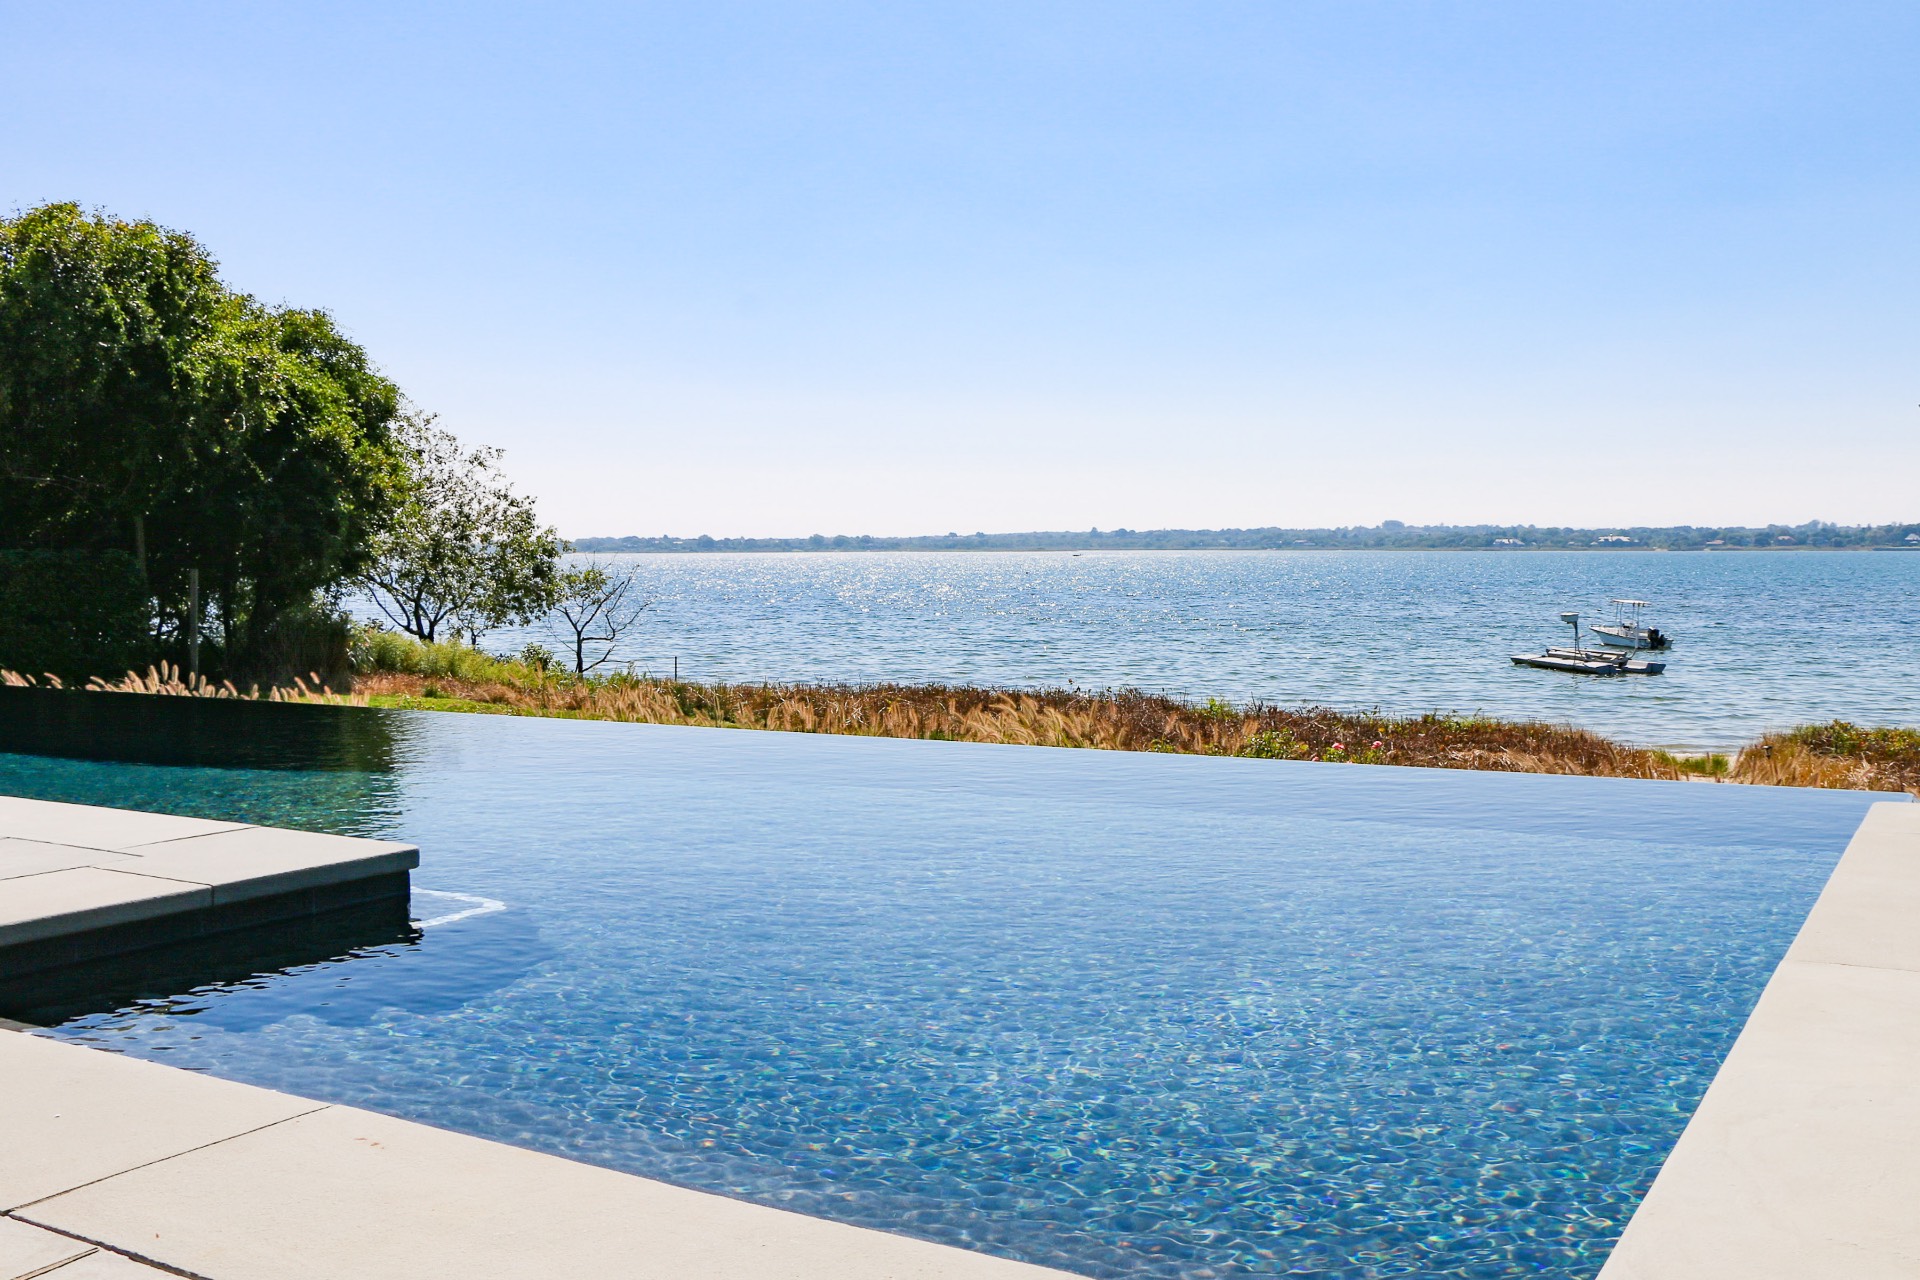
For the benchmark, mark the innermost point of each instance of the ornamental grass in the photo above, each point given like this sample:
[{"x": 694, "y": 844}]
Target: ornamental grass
[
  {"x": 400, "y": 673},
  {"x": 1115, "y": 720}
]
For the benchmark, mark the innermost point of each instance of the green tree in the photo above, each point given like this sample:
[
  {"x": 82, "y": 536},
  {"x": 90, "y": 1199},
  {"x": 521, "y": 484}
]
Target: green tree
[
  {"x": 465, "y": 553},
  {"x": 144, "y": 406}
]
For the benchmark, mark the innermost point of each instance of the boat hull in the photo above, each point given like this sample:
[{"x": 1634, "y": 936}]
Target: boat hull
[{"x": 1624, "y": 637}]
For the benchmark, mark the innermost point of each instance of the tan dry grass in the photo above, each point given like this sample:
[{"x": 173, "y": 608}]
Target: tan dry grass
[
  {"x": 1837, "y": 755},
  {"x": 1833, "y": 756},
  {"x": 1118, "y": 721},
  {"x": 167, "y": 680}
]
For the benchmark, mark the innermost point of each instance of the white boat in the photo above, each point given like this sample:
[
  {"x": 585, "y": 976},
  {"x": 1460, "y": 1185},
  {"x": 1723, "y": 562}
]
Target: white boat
[{"x": 1628, "y": 633}]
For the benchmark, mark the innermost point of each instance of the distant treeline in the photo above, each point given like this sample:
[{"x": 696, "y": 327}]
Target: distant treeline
[{"x": 1389, "y": 534}]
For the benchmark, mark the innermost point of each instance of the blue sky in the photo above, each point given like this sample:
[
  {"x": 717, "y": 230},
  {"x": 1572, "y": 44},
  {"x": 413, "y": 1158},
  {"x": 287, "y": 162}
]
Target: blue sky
[{"x": 785, "y": 269}]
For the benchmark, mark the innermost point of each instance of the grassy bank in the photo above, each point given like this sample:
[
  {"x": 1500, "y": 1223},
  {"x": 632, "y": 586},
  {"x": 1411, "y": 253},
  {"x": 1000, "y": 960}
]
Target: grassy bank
[
  {"x": 1839, "y": 755},
  {"x": 393, "y": 671},
  {"x": 1120, "y": 721}
]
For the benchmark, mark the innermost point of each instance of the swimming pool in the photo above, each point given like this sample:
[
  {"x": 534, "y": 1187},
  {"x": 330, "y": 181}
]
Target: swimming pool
[{"x": 1121, "y": 1014}]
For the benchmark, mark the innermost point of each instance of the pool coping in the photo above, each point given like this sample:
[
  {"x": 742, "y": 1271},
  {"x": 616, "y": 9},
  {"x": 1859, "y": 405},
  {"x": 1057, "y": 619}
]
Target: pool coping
[
  {"x": 1800, "y": 1160},
  {"x": 1803, "y": 1158},
  {"x": 85, "y": 882}
]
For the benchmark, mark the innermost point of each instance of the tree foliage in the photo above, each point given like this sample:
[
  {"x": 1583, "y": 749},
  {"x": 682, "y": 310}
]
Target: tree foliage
[
  {"x": 72, "y": 614},
  {"x": 465, "y": 553},
  {"x": 137, "y": 392}
]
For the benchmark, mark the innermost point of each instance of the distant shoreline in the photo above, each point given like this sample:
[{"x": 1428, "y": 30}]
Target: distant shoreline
[
  {"x": 601, "y": 545},
  {"x": 597, "y": 546},
  {"x": 1814, "y": 536}
]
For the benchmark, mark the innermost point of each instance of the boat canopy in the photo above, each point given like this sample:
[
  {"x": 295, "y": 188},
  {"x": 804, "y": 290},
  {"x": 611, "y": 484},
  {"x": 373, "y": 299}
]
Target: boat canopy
[{"x": 1632, "y": 604}]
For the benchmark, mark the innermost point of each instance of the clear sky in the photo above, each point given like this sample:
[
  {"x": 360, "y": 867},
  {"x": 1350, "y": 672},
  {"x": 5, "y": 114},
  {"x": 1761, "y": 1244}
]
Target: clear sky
[{"x": 781, "y": 269}]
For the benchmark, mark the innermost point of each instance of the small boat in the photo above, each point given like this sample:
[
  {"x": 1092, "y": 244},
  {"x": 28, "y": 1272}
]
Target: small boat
[
  {"x": 1627, "y": 633},
  {"x": 1588, "y": 662}
]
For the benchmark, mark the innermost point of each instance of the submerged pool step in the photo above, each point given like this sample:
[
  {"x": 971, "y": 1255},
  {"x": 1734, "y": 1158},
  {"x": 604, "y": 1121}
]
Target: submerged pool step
[{"x": 80, "y": 882}]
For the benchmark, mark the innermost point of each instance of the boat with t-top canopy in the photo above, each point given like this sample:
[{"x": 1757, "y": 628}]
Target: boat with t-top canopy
[{"x": 1629, "y": 632}]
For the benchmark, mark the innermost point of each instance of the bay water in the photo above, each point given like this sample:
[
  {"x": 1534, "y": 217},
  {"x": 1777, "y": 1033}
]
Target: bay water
[{"x": 1763, "y": 640}]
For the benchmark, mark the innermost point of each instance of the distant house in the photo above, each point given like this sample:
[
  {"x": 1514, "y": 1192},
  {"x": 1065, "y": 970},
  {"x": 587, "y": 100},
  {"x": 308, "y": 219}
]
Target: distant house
[
  {"x": 1782, "y": 538},
  {"x": 1612, "y": 539},
  {"x": 1913, "y": 537},
  {"x": 1508, "y": 542},
  {"x": 1718, "y": 542}
]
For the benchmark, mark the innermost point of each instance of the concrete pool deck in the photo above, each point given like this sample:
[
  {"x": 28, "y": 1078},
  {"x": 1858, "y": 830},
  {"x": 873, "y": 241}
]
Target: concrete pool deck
[{"x": 1803, "y": 1159}]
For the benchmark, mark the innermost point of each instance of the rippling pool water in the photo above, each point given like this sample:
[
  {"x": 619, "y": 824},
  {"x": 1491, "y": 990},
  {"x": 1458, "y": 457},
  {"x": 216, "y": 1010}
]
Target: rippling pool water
[
  {"x": 1765, "y": 640},
  {"x": 1129, "y": 1015}
]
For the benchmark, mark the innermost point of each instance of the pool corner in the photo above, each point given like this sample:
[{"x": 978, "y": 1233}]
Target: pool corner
[{"x": 1803, "y": 1159}]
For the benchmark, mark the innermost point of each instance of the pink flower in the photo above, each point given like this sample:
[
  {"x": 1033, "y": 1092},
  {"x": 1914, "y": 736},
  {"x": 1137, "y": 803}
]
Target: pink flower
[
  {"x": 1379, "y": 745},
  {"x": 1339, "y": 746}
]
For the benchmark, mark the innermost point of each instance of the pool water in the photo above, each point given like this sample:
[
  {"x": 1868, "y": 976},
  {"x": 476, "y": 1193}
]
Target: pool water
[{"x": 1137, "y": 1015}]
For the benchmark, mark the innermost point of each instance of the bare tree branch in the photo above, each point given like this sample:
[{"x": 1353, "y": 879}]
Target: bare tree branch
[{"x": 599, "y": 604}]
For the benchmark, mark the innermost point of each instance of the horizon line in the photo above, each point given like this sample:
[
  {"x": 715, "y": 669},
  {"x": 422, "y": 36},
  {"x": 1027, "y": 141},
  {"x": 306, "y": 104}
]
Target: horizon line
[{"x": 1388, "y": 532}]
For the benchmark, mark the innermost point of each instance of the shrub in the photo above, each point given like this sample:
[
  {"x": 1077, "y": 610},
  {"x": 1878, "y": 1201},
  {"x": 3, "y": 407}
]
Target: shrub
[
  {"x": 1272, "y": 744},
  {"x": 310, "y": 642},
  {"x": 1840, "y": 738},
  {"x": 1711, "y": 765},
  {"x": 376, "y": 649},
  {"x": 73, "y": 614}
]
